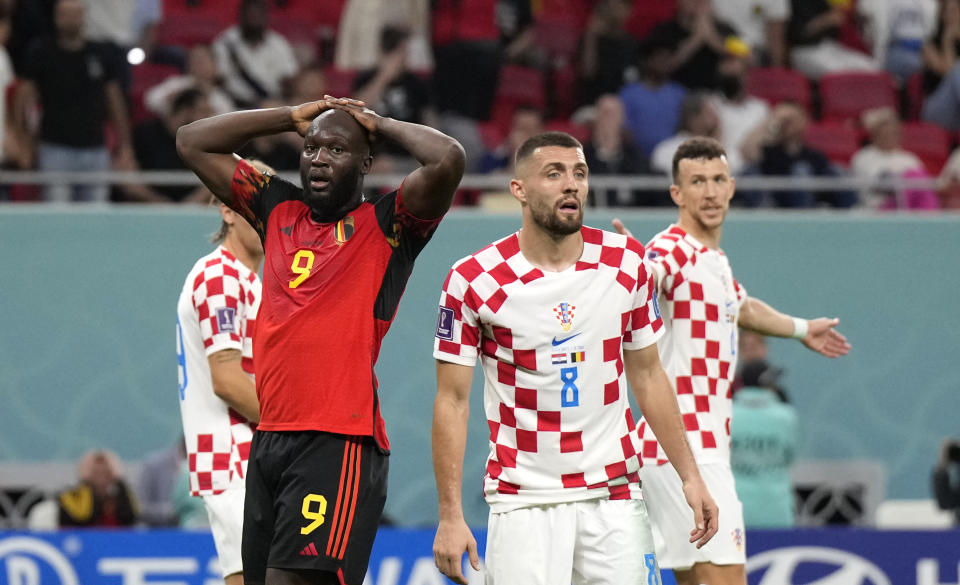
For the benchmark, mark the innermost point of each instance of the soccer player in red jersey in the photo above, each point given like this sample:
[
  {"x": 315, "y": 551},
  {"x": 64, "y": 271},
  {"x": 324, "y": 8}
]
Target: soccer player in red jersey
[{"x": 336, "y": 264}]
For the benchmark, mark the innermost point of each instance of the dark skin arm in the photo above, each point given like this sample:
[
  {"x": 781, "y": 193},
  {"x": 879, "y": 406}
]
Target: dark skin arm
[
  {"x": 207, "y": 146},
  {"x": 427, "y": 191}
]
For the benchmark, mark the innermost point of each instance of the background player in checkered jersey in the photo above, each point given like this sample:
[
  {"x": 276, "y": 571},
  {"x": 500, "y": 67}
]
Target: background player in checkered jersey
[
  {"x": 335, "y": 266},
  {"x": 560, "y": 316},
  {"x": 702, "y": 306},
  {"x": 216, "y": 315}
]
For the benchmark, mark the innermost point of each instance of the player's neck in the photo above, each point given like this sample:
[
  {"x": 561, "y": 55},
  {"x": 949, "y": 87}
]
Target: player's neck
[
  {"x": 249, "y": 259},
  {"x": 550, "y": 252},
  {"x": 708, "y": 236}
]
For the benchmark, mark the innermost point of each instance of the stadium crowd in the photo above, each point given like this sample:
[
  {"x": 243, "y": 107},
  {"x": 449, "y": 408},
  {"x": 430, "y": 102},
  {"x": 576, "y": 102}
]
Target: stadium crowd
[{"x": 792, "y": 88}]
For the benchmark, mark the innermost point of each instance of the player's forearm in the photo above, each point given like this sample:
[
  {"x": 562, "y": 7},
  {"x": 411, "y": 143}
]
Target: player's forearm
[
  {"x": 238, "y": 390},
  {"x": 227, "y": 133},
  {"x": 433, "y": 149},
  {"x": 450, "y": 419},
  {"x": 657, "y": 402},
  {"x": 758, "y": 316}
]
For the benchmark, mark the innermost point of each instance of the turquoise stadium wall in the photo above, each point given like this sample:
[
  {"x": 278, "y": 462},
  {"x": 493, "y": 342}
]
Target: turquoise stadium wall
[{"x": 87, "y": 352}]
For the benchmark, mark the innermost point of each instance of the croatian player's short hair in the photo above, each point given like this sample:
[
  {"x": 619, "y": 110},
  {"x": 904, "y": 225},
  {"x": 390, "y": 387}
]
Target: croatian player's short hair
[
  {"x": 697, "y": 148},
  {"x": 561, "y": 139}
]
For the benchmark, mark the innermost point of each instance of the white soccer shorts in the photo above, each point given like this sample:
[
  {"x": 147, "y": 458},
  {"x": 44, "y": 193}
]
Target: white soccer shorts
[
  {"x": 673, "y": 519},
  {"x": 225, "y": 511},
  {"x": 594, "y": 541}
]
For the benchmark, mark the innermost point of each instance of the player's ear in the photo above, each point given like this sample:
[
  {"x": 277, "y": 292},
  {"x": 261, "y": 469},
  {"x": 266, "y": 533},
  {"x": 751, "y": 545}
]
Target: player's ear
[
  {"x": 676, "y": 195},
  {"x": 366, "y": 164},
  {"x": 517, "y": 190}
]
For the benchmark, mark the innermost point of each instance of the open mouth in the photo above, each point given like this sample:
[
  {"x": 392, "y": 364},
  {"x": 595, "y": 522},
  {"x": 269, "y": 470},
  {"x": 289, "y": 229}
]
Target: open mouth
[
  {"x": 319, "y": 183},
  {"x": 570, "y": 206}
]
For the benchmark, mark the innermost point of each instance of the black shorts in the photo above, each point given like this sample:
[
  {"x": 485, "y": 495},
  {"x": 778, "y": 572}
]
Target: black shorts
[{"x": 313, "y": 502}]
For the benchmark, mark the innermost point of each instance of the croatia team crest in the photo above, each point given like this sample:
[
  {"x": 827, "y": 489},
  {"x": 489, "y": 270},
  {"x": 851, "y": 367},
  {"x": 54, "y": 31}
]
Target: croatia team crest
[{"x": 564, "y": 313}]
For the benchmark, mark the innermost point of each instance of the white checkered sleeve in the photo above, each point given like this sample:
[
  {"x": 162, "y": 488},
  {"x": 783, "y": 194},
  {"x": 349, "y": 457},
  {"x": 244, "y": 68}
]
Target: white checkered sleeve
[
  {"x": 646, "y": 326},
  {"x": 458, "y": 334},
  {"x": 218, "y": 298}
]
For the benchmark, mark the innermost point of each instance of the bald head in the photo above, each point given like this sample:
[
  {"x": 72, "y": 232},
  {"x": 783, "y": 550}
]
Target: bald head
[{"x": 343, "y": 124}]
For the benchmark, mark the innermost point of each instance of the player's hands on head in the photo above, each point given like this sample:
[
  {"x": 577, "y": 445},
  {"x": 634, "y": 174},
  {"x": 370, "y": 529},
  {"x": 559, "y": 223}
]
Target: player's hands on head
[
  {"x": 452, "y": 540},
  {"x": 705, "y": 511},
  {"x": 824, "y": 339},
  {"x": 359, "y": 110},
  {"x": 304, "y": 114}
]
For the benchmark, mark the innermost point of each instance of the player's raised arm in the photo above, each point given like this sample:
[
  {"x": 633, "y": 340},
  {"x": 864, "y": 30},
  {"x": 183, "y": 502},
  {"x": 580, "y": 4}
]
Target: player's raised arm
[
  {"x": 207, "y": 146},
  {"x": 427, "y": 191},
  {"x": 451, "y": 412},
  {"x": 818, "y": 335},
  {"x": 656, "y": 400}
]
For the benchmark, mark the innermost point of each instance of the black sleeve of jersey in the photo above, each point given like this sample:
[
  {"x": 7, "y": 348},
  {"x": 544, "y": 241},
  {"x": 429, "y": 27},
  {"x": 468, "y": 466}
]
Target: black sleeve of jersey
[
  {"x": 256, "y": 194},
  {"x": 408, "y": 236}
]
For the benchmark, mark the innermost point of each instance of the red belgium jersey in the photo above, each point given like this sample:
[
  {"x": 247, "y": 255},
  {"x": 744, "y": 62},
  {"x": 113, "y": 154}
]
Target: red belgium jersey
[{"x": 330, "y": 293}]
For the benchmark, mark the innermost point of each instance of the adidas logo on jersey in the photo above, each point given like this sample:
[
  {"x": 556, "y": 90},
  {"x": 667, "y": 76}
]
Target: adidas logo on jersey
[{"x": 309, "y": 551}]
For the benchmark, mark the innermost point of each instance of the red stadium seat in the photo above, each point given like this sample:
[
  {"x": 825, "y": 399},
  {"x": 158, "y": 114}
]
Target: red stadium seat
[
  {"x": 559, "y": 37},
  {"x": 339, "y": 81},
  {"x": 564, "y": 91},
  {"x": 142, "y": 78},
  {"x": 647, "y": 15},
  {"x": 313, "y": 12},
  {"x": 845, "y": 95},
  {"x": 777, "y": 84},
  {"x": 517, "y": 86},
  {"x": 915, "y": 95},
  {"x": 189, "y": 31},
  {"x": 838, "y": 141},
  {"x": 929, "y": 142}
]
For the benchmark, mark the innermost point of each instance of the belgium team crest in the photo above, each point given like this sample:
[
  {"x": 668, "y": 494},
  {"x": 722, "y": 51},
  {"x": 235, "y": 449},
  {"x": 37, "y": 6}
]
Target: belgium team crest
[{"x": 343, "y": 230}]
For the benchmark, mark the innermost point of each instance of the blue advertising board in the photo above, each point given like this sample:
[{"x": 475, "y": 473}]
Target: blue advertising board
[{"x": 404, "y": 557}]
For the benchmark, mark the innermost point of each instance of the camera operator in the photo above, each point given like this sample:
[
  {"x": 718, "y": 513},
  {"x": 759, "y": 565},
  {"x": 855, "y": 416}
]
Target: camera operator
[{"x": 946, "y": 478}]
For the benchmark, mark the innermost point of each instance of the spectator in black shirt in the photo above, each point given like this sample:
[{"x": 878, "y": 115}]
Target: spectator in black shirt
[
  {"x": 608, "y": 51},
  {"x": 74, "y": 83},
  {"x": 699, "y": 41}
]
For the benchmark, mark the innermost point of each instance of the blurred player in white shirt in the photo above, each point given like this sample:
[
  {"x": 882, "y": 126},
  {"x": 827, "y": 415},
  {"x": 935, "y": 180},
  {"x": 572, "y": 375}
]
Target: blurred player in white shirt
[
  {"x": 702, "y": 307},
  {"x": 216, "y": 316},
  {"x": 560, "y": 316}
]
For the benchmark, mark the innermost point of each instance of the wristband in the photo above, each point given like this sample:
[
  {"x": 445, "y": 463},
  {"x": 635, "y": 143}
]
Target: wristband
[{"x": 800, "y": 328}]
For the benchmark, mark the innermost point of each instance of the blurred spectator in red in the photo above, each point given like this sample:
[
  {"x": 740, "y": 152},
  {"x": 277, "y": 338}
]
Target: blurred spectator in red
[
  {"x": 612, "y": 151},
  {"x": 941, "y": 79},
  {"x": 814, "y": 33},
  {"x": 255, "y": 61},
  {"x": 699, "y": 41},
  {"x": 392, "y": 90},
  {"x": 471, "y": 39},
  {"x": 652, "y": 104},
  {"x": 698, "y": 117},
  {"x": 607, "y": 51},
  {"x": 361, "y": 24},
  {"x": 155, "y": 146},
  {"x": 527, "y": 122},
  {"x": 896, "y": 30},
  {"x": 783, "y": 153},
  {"x": 102, "y": 496},
  {"x": 201, "y": 74},
  {"x": 74, "y": 84},
  {"x": 884, "y": 158},
  {"x": 762, "y": 24},
  {"x": 9, "y": 143}
]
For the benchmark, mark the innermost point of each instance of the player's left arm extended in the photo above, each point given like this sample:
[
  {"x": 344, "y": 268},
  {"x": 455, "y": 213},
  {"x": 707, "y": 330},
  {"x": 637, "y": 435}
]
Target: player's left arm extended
[
  {"x": 818, "y": 334},
  {"x": 656, "y": 400}
]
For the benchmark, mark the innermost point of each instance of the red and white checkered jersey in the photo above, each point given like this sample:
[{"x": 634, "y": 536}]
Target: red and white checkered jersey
[
  {"x": 550, "y": 344},
  {"x": 217, "y": 310},
  {"x": 700, "y": 301}
]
